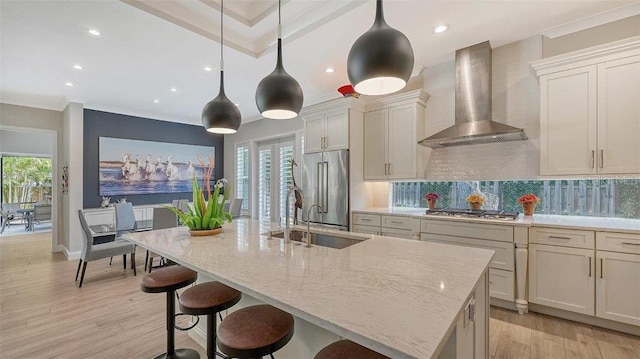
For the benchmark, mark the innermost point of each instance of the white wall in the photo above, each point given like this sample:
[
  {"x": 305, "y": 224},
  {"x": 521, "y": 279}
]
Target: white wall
[
  {"x": 515, "y": 102},
  {"x": 23, "y": 142},
  {"x": 27, "y": 118},
  {"x": 73, "y": 124}
]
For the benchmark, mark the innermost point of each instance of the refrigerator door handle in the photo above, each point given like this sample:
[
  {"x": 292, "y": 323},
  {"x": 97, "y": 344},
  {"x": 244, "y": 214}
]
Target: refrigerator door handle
[
  {"x": 319, "y": 183},
  {"x": 325, "y": 195}
]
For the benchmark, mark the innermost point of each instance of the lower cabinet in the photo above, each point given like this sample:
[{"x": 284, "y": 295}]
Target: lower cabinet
[
  {"x": 562, "y": 277},
  {"x": 618, "y": 287},
  {"x": 385, "y": 225}
]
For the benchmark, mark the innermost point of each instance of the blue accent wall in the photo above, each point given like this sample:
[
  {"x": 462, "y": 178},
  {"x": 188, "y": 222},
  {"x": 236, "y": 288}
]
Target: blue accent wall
[{"x": 105, "y": 124}]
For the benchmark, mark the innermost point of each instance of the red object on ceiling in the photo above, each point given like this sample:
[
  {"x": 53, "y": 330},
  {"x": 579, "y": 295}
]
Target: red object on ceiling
[{"x": 348, "y": 91}]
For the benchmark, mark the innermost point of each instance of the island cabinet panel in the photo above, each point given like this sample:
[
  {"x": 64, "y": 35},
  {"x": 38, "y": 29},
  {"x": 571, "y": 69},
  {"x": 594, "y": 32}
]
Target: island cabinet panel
[
  {"x": 493, "y": 232},
  {"x": 501, "y": 284},
  {"x": 562, "y": 277},
  {"x": 618, "y": 287}
]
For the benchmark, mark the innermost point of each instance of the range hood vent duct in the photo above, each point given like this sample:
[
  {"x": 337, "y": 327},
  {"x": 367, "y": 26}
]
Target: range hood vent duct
[{"x": 473, "y": 124}]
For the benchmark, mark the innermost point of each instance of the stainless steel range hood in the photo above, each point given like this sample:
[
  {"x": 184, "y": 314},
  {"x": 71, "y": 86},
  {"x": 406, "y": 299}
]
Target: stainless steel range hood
[{"x": 473, "y": 124}]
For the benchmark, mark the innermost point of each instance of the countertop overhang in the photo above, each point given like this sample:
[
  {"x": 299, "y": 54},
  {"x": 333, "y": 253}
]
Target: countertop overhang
[{"x": 398, "y": 297}]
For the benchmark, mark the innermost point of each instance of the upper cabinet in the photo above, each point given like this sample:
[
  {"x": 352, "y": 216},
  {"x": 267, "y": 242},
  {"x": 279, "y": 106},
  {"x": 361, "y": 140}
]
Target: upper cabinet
[
  {"x": 392, "y": 127},
  {"x": 326, "y": 125},
  {"x": 589, "y": 110}
]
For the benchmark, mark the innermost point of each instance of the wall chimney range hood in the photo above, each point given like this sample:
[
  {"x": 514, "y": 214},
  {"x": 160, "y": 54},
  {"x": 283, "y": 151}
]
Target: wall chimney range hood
[{"x": 473, "y": 124}]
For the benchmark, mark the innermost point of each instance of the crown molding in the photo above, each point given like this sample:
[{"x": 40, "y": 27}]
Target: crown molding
[
  {"x": 586, "y": 57},
  {"x": 593, "y": 20},
  {"x": 419, "y": 96}
]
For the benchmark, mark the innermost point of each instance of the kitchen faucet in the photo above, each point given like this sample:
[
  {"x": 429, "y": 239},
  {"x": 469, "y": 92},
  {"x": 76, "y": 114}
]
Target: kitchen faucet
[
  {"x": 308, "y": 239},
  {"x": 287, "y": 230}
]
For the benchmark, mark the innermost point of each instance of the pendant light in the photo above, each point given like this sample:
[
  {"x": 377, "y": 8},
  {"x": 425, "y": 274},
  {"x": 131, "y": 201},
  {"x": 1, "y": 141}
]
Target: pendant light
[
  {"x": 221, "y": 115},
  {"x": 381, "y": 60},
  {"x": 279, "y": 96}
]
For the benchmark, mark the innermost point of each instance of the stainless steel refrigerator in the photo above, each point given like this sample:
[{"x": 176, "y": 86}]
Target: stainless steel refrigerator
[{"x": 325, "y": 181}]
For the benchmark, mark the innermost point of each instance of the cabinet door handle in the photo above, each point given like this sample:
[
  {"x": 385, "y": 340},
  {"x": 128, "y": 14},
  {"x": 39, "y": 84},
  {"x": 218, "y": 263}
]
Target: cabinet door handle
[
  {"x": 589, "y": 266},
  {"x": 326, "y": 142},
  {"x": 601, "y": 158},
  {"x": 389, "y": 169},
  {"x": 631, "y": 244},
  {"x": 593, "y": 159},
  {"x": 601, "y": 268},
  {"x": 558, "y": 237},
  {"x": 386, "y": 171}
]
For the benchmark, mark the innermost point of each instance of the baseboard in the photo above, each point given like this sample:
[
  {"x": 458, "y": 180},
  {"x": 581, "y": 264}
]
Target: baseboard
[
  {"x": 503, "y": 304},
  {"x": 70, "y": 255},
  {"x": 586, "y": 319}
]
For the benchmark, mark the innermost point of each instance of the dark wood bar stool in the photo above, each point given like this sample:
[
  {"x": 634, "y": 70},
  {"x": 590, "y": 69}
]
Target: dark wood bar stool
[
  {"x": 209, "y": 299},
  {"x": 254, "y": 332},
  {"x": 346, "y": 349},
  {"x": 168, "y": 280}
]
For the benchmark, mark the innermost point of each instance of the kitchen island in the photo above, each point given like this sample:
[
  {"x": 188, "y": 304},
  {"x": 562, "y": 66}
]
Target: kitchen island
[{"x": 401, "y": 298}]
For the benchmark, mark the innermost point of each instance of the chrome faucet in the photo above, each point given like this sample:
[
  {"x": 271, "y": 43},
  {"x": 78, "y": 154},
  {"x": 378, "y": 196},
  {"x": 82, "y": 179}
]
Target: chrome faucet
[
  {"x": 287, "y": 230},
  {"x": 308, "y": 239}
]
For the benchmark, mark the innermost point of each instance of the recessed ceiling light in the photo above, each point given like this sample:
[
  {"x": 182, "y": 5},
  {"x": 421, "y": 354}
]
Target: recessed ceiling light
[
  {"x": 70, "y": 84},
  {"x": 156, "y": 101},
  {"x": 173, "y": 89},
  {"x": 77, "y": 67},
  {"x": 329, "y": 70},
  {"x": 207, "y": 68},
  {"x": 94, "y": 32},
  {"x": 441, "y": 28}
]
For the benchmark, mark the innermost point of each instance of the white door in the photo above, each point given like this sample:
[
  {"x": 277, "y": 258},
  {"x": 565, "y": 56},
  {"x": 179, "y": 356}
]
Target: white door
[
  {"x": 274, "y": 177},
  {"x": 375, "y": 145},
  {"x": 619, "y": 116},
  {"x": 337, "y": 131},
  {"x": 562, "y": 278},
  {"x": 314, "y": 133},
  {"x": 402, "y": 142},
  {"x": 618, "y": 287},
  {"x": 568, "y": 122}
]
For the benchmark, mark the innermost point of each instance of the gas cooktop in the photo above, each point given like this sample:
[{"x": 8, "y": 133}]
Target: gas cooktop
[{"x": 473, "y": 213}]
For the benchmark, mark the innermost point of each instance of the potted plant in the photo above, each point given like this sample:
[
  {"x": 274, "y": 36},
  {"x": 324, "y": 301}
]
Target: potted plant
[
  {"x": 207, "y": 215},
  {"x": 431, "y": 198},
  {"x": 528, "y": 202},
  {"x": 476, "y": 200}
]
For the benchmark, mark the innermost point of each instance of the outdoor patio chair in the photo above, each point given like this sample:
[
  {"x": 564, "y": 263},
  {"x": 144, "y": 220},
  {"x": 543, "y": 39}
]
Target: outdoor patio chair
[
  {"x": 41, "y": 213},
  {"x": 10, "y": 213}
]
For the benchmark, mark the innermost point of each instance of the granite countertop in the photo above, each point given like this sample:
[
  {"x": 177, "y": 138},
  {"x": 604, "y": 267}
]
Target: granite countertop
[
  {"x": 628, "y": 225},
  {"x": 398, "y": 297}
]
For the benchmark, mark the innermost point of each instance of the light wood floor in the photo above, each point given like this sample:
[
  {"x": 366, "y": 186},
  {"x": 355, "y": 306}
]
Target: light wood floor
[{"x": 44, "y": 315}]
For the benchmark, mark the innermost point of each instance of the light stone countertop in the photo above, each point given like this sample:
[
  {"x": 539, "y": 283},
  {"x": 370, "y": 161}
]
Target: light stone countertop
[
  {"x": 398, "y": 297},
  {"x": 627, "y": 225}
]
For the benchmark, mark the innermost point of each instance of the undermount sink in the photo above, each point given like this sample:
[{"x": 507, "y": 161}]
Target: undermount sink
[{"x": 320, "y": 239}]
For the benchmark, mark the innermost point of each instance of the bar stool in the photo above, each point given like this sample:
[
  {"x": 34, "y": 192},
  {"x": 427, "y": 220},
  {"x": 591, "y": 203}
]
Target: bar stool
[
  {"x": 209, "y": 299},
  {"x": 168, "y": 280},
  {"x": 255, "y": 331},
  {"x": 346, "y": 349}
]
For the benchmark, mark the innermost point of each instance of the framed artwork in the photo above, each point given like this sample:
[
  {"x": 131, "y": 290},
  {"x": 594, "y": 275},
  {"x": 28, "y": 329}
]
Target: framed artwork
[{"x": 147, "y": 167}]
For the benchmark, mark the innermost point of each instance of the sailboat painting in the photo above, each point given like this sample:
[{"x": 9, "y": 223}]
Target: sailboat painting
[{"x": 148, "y": 167}]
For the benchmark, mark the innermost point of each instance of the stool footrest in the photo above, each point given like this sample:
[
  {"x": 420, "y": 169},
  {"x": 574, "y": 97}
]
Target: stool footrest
[{"x": 186, "y": 328}]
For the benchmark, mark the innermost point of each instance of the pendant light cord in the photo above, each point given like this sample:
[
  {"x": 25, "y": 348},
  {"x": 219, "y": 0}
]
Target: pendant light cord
[
  {"x": 279, "y": 20},
  {"x": 221, "y": 36}
]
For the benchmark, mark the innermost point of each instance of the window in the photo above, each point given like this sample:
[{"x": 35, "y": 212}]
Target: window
[
  {"x": 603, "y": 198},
  {"x": 274, "y": 177},
  {"x": 242, "y": 175}
]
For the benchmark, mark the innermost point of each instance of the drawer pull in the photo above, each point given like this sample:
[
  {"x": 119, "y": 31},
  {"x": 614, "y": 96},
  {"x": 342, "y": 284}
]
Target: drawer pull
[
  {"x": 631, "y": 244},
  {"x": 558, "y": 237},
  {"x": 396, "y": 222},
  {"x": 589, "y": 266},
  {"x": 365, "y": 219}
]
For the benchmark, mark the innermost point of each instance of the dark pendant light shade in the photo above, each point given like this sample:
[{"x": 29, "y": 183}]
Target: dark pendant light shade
[
  {"x": 381, "y": 60},
  {"x": 279, "y": 96},
  {"x": 221, "y": 115}
]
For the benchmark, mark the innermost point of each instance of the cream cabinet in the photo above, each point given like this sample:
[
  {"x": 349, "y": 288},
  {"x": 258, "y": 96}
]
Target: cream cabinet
[
  {"x": 397, "y": 226},
  {"x": 618, "y": 277},
  {"x": 392, "y": 128},
  {"x": 589, "y": 111},
  {"x": 326, "y": 125},
  {"x": 562, "y": 277}
]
